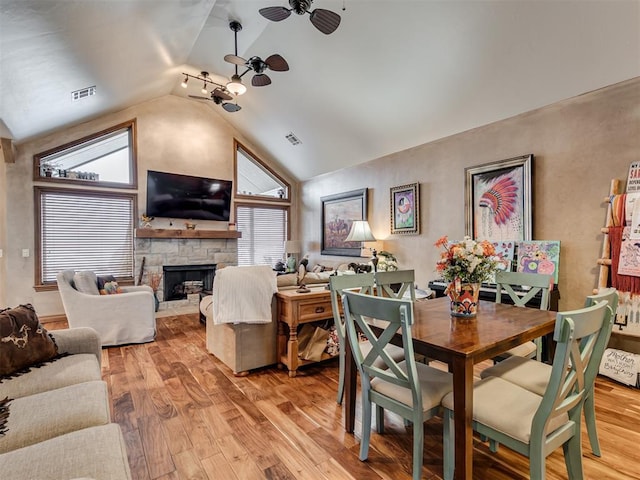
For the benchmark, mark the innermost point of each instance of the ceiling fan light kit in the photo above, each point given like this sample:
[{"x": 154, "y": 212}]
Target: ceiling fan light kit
[
  {"x": 236, "y": 86},
  {"x": 220, "y": 95}
]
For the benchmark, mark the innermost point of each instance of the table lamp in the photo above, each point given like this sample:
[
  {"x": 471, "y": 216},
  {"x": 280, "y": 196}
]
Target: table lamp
[
  {"x": 361, "y": 232},
  {"x": 291, "y": 247}
]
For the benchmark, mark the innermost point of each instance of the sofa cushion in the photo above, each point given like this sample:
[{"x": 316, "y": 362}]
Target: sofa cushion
[
  {"x": 287, "y": 280},
  {"x": 60, "y": 373},
  {"x": 86, "y": 282},
  {"x": 49, "y": 414},
  {"x": 96, "y": 452},
  {"x": 24, "y": 342},
  {"x": 107, "y": 285}
]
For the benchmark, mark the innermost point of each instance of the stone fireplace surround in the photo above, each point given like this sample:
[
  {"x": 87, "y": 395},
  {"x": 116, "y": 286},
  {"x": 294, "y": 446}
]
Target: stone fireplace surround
[{"x": 162, "y": 248}]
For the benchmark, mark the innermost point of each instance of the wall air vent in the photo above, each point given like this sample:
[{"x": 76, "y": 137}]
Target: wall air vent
[
  {"x": 292, "y": 138},
  {"x": 83, "y": 93}
]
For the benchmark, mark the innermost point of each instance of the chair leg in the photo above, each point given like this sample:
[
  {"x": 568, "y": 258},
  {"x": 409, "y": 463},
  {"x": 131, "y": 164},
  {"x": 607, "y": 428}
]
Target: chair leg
[
  {"x": 366, "y": 426},
  {"x": 418, "y": 447},
  {"x": 448, "y": 447},
  {"x": 537, "y": 458},
  {"x": 590, "y": 420},
  {"x": 341, "y": 360},
  {"x": 379, "y": 419},
  {"x": 573, "y": 457}
]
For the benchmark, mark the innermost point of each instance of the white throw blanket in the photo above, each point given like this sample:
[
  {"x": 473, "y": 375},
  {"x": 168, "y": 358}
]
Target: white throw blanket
[{"x": 243, "y": 294}]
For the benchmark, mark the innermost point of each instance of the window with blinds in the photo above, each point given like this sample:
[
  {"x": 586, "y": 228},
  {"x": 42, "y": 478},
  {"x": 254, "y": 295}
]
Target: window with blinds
[
  {"x": 85, "y": 230},
  {"x": 264, "y": 231}
]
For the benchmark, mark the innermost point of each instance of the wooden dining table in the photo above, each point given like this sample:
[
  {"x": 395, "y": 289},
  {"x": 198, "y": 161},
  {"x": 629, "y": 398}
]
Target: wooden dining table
[{"x": 461, "y": 343}]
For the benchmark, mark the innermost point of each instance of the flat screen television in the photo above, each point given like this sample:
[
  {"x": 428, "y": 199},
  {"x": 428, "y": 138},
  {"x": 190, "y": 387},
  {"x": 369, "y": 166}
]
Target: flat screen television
[{"x": 183, "y": 196}]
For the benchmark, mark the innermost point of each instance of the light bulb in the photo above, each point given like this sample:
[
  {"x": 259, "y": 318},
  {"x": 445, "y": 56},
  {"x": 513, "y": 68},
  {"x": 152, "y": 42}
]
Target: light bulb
[
  {"x": 184, "y": 82},
  {"x": 204, "y": 88}
]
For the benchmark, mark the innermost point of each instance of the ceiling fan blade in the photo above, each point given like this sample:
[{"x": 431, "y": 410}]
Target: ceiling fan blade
[
  {"x": 234, "y": 59},
  {"x": 218, "y": 92},
  {"x": 325, "y": 20},
  {"x": 260, "y": 80},
  {"x": 275, "y": 14},
  {"x": 199, "y": 98},
  {"x": 276, "y": 63},
  {"x": 231, "y": 107}
]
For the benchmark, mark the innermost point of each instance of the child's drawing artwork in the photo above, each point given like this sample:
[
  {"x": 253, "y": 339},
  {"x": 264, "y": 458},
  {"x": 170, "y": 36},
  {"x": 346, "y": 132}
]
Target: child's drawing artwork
[{"x": 539, "y": 256}]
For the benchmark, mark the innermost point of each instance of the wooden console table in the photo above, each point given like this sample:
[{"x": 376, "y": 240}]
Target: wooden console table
[{"x": 295, "y": 309}]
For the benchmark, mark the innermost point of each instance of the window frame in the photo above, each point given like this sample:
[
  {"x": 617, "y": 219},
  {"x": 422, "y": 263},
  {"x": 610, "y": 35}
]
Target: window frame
[
  {"x": 39, "y": 191},
  {"x": 261, "y": 198},
  {"x": 133, "y": 163}
]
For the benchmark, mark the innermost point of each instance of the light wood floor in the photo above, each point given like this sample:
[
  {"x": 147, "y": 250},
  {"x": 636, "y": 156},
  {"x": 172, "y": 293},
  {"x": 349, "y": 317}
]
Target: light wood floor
[{"x": 185, "y": 416}]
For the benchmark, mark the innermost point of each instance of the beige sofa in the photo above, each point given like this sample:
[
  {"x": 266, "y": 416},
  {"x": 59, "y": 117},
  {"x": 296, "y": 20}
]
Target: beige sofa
[
  {"x": 244, "y": 347},
  {"x": 57, "y": 421}
]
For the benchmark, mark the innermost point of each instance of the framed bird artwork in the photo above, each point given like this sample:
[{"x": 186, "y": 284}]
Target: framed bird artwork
[{"x": 498, "y": 200}]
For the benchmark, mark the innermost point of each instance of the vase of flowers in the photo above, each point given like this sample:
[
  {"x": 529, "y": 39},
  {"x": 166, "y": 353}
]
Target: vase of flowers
[
  {"x": 387, "y": 262},
  {"x": 465, "y": 265}
]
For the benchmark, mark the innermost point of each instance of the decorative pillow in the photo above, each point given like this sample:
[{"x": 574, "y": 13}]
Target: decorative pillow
[
  {"x": 287, "y": 280},
  {"x": 86, "y": 282},
  {"x": 24, "y": 342},
  {"x": 107, "y": 285}
]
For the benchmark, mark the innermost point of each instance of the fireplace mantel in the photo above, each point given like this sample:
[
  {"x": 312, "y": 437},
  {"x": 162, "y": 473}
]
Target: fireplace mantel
[{"x": 176, "y": 233}]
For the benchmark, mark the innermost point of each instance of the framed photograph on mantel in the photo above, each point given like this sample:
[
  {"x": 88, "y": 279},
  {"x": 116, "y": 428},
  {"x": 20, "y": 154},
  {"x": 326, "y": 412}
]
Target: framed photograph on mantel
[
  {"x": 498, "y": 200},
  {"x": 405, "y": 209},
  {"x": 338, "y": 213}
]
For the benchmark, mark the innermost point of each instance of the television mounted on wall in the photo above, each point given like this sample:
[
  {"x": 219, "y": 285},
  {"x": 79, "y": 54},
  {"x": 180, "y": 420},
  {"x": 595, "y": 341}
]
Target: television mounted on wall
[{"x": 172, "y": 195}]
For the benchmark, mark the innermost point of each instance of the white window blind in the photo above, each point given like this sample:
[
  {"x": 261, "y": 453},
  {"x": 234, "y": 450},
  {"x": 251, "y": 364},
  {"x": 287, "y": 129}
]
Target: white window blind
[
  {"x": 86, "y": 231},
  {"x": 264, "y": 231}
]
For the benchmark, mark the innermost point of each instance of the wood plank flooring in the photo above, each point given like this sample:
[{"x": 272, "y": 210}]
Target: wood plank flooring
[{"x": 185, "y": 415}]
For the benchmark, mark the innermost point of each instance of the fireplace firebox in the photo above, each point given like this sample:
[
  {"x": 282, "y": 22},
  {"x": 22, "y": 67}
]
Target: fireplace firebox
[{"x": 182, "y": 280}]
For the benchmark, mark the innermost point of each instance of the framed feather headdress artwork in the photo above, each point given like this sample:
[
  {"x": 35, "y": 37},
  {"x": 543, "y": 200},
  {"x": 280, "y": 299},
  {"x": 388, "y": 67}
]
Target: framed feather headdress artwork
[{"x": 498, "y": 200}]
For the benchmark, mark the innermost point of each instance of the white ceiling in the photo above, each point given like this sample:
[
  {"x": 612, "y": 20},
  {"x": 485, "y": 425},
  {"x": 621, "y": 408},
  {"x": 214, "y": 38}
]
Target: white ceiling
[{"x": 395, "y": 74}]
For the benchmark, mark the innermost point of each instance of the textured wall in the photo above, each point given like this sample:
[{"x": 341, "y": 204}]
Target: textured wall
[
  {"x": 579, "y": 145},
  {"x": 174, "y": 134},
  {"x": 3, "y": 233}
]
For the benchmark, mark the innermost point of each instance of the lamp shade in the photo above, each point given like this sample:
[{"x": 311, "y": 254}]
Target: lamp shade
[
  {"x": 236, "y": 86},
  {"x": 292, "y": 246},
  {"x": 360, "y": 232}
]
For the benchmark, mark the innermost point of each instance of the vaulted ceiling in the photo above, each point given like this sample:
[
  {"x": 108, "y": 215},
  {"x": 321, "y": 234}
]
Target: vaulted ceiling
[{"x": 395, "y": 74}]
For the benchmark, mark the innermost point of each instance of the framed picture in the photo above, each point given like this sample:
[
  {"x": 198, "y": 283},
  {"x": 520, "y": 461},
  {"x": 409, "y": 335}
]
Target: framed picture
[
  {"x": 405, "y": 209},
  {"x": 338, "y": 213},
  {"x": 498, "y": 200}
]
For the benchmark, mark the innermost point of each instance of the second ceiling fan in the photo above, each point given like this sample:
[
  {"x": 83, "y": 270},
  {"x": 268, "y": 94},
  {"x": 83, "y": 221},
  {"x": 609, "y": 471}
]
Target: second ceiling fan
[
  {"x": 256, "y": 64},
  {"x": 324, "y": 20}
]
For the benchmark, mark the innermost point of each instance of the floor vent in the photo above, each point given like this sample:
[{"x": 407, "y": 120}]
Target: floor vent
[
  {"x": 292, "y": 138},
  {"x": 83, "y": 93}
]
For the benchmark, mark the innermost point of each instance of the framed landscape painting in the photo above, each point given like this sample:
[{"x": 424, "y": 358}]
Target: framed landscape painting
[
  {"x": 498, "y": 200},
  {"x": 405, "y": 209},
  {"x": 338, "y": 213}
]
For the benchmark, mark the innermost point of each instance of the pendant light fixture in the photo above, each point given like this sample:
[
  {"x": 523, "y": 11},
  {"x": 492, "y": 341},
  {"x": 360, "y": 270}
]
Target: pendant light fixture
[{"x": 236, "y": 86}]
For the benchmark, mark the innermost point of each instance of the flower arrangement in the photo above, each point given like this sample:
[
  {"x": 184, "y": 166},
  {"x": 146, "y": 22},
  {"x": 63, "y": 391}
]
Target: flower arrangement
[
  {"x": 467, "y": 261},
  {"x": 386, "y": 262}
]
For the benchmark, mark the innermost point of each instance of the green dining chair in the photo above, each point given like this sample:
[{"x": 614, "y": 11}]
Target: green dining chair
[
  {"x": 410, "y": 389},
  {"x": 537, "y": 283},
  {"x": 405, "y": 279},
  {"x": 362, "y": 283},
  {"x": 534, "y": 376},
  {"x": 535, "y": 425}
]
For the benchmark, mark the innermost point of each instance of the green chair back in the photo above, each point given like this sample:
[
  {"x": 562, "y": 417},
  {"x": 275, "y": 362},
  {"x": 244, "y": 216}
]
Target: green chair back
[
  {"x": 537, "y": 281},
  {"x": 404, "y": 278}
]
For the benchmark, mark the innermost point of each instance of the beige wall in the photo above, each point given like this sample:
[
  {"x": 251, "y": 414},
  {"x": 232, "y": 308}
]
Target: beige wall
[
  {"x": 174, "y": 134},
  {"x": 579, "y": 145},
  {"x": 3, "y": 233}
]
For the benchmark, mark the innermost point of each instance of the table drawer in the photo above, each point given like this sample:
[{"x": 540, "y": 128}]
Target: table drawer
[{"x": 308, "y": 312}]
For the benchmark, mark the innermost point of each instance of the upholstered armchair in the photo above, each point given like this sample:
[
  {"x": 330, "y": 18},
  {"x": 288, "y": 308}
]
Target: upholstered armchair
[{"x": 127, "y": 317}]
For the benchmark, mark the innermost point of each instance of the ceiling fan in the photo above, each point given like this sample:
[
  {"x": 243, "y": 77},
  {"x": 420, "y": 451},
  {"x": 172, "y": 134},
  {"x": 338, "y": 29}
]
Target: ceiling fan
[
  {"x": 274, "y": 62},
  {"x": 219, "y": 95},
  {"x": 324, "y": 20}
]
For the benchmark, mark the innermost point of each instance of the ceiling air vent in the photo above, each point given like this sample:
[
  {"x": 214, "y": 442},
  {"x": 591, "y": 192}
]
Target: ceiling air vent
[
  {"x": 83, "y": 93},
  {"x": 292, "y": 138}
]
